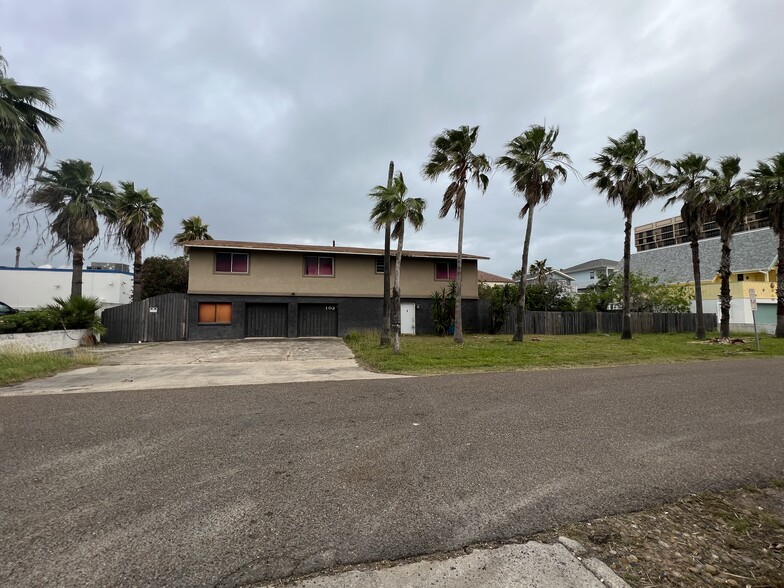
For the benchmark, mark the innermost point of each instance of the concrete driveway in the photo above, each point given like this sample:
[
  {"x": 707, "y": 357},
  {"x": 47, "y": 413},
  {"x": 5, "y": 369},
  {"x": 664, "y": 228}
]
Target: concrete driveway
[{"x": 190, "y": 364}]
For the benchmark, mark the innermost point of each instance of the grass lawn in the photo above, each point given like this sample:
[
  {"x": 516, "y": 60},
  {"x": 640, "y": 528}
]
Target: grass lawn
[
  {"x": 18, "y": 366},
  {"x": 481, "y": 353}
]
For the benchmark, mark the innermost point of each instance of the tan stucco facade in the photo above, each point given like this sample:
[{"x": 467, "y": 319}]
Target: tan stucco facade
[{"x": 278, "y": 273}]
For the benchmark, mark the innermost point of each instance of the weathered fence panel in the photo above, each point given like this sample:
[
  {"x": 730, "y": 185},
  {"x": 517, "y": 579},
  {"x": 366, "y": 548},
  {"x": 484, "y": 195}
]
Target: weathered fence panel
[
  {"x": 159, "y": 318},
  {"x": 575, "y": 323}
]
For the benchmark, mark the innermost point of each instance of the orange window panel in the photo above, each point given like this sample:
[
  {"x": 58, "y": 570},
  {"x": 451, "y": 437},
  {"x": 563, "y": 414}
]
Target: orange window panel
[
  {"x": 223, "y": 313},
  {"x": 206, "y": 312}
]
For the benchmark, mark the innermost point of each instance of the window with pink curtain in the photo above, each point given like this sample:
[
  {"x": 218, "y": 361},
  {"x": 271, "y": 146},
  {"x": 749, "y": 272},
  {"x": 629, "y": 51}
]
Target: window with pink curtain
[{"x": 319, "y": 266}]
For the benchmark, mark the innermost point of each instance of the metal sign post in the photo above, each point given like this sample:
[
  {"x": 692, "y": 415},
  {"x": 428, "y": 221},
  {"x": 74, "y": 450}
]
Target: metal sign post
[{"x": 753, "y": 300}]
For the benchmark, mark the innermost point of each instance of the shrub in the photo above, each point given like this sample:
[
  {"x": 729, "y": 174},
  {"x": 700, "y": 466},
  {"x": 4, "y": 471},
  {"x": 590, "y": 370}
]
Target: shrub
[
  {"x": 442, "y": 308},
  {"x": 76, "y": 312}
]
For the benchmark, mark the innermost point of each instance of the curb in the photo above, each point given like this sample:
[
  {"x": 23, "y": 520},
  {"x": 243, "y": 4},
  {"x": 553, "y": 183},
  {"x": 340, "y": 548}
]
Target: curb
[{"x": 598, "y": 568}]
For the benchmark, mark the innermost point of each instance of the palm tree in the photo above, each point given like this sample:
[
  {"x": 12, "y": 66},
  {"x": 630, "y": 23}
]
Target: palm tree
[
  {"x": 451, "y": 153},
  {"x": 686, "y": 182},
  {"x": 393, "y": 208},
  {"x": 193, "y": 229},
  {"x": 535, "y": 167},
  {"x": 768, "y": 178},
  {"x": 731, "y": 202},
  {"x": 72, "y": 199},
  {"x": 136, "y": 217},
  {"x": 22, "y": 116},
  {"x": 627, "y": 176},
  {"x": 540, "y": 270},
  {"x": 387, "y": 303}
]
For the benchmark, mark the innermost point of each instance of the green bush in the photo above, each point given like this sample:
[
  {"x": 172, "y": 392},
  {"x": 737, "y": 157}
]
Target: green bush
[
  {"x": 442, "y": 308},
  {"x": 31, "y": 321},
  {"x": 77, "y": 312}
]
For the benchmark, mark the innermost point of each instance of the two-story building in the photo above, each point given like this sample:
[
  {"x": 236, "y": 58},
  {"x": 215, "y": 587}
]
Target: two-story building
[{"x": 242, "y": 289}]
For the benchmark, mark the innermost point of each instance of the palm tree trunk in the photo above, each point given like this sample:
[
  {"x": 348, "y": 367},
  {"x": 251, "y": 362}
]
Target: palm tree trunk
[
  {"x": 78, "y": 266},
  {"x": 695, "y": 263},
  {"x": 396, "y": 293},
  {"x": 385, "y": 325},
  {"x": 724, "y": 293},
  {"x": 520, "y": 322},
  {"x": 626, "y": 332},
  {"x": 137, "y": 274},
  {"x": 459, "y": 281},
  {"x": 780, "y": 288}
]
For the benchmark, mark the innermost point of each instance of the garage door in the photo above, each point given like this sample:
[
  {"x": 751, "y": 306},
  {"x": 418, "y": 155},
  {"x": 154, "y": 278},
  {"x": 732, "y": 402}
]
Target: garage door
[
  {"x": 266, "y": 320},
  {"x": 317, "y": 320}
]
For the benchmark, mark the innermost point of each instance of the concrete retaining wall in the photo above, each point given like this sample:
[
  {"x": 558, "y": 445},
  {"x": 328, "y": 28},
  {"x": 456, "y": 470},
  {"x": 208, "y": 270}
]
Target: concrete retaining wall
[{"x": 46, "y": 341}]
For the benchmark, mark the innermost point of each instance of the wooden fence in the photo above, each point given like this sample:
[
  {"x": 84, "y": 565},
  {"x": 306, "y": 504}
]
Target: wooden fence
[
  {"x": 575, "y": 323},
  {"x": 159, "y": 318}
]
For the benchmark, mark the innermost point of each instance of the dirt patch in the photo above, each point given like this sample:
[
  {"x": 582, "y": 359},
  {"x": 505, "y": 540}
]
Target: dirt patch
[{"x": 733, "y": 538}]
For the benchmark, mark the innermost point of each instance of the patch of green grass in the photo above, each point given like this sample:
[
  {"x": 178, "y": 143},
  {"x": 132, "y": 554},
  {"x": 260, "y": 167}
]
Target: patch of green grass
[
  {"x": 18, "y": 366},
  {"x": 438, "y": 355}
]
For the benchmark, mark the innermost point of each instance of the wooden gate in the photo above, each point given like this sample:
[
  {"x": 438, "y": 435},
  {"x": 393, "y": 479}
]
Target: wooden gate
[
  {"x": 266, "y": 320},
  {"x": 159, "y": 318},
  {"x": 317, "y": 320}
]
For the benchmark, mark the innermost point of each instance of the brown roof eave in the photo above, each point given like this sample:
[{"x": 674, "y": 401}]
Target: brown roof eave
[{"x": 289, "y": 248}]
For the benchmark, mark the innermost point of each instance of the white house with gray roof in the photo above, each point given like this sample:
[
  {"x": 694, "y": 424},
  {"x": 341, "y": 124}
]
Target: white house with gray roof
[{"x": 588, "y": 273}]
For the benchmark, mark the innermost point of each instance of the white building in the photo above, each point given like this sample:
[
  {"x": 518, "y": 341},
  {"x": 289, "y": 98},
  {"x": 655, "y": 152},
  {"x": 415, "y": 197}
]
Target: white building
[{"x": 31, "y": 287}]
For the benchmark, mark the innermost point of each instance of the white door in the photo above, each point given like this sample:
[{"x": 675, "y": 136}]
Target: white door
[{"x": 408, "y": 318}]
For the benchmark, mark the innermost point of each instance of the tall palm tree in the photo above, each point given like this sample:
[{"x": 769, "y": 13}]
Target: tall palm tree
[
  {"x": 627, "y": 176},
  {"x": 732, "y": 202},
  {"x": 451, "y": 153},
  {"x": 535, "y": 167},
  {"x": 768, "y": 179},
  {"x": 73, "y": 200},
  {"x": 686, "y": 183},
  {"x": 23, "y": 114},
  {"x": 393, "y": 208},
  {"x": 136, "y": 217},
  {"x": 193, "y": 229},
  {"x": 387, "y": 302}
]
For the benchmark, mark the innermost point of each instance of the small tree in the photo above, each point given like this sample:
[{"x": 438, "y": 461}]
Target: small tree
[
  {"x": 164, "y": 275},
  {"x": 442, "y": 309}
]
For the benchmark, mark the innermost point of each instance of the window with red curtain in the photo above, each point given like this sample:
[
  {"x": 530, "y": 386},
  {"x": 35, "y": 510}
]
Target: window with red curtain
[
  {"x": 231, "y": 263},
  {"x": 319, "y": 266},
  {"x": 446, "y": 270}
]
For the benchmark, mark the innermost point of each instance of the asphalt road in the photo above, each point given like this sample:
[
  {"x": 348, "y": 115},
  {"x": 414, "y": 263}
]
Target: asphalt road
[{"x": 228, "y": 486}]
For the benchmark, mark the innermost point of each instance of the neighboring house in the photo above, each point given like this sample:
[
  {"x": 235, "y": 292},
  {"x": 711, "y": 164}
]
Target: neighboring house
[
  {"x": 565, "y": 281},
  {"x": 30, "y": 287},
  {"x": 753, "y": 264},
  {"x": 241, "y": 289},
  {"x": 493, "y": 280},
  {"x": 588, "y": 273}
]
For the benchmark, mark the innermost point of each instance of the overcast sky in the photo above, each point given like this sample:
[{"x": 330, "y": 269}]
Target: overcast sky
[{"x": 273, "y": 120}]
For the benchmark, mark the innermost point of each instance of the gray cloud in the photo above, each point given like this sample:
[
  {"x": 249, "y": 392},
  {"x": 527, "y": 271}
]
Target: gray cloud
[{"x": 273, "y": 121}]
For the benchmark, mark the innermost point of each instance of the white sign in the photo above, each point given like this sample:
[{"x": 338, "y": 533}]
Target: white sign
[
  {"x": 153, "y": 309},
  {"x": 753, "y": 298}
]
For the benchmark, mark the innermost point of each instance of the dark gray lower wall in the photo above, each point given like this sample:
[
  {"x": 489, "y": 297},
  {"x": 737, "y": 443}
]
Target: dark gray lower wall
[{"x": 354, "y": 314}]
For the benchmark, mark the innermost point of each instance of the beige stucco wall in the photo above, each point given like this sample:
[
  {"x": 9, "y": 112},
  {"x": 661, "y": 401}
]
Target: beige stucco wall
[{"x": 282, "y": 273}]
